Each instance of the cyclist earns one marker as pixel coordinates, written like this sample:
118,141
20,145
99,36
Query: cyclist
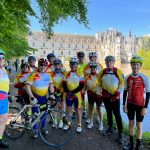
136,85
57,77
81,67
50,57
73,83
20,82
93,92
32,61
92,58
87,71
111,81
4,88
37,88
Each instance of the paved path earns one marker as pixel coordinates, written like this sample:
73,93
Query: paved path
87,140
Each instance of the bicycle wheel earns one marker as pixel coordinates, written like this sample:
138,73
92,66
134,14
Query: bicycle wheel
55,121
14,128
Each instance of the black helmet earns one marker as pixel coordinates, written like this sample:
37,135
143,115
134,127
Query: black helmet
30,58
50,55
24,64
80,54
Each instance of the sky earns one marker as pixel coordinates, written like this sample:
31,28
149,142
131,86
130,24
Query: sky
123,15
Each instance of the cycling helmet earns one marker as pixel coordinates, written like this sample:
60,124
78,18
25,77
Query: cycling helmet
80,54
92,64
2,52
56,60
50,55
92,54
74,60
110,58
24,64
31,58
43,61
136,59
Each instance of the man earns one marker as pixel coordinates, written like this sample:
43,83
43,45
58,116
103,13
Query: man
81,67
50,57
37,88
4,88
32,61
73,83
136,86
111,81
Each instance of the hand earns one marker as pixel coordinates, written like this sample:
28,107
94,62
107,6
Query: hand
125,109
51,97
9,99
144,111
33,101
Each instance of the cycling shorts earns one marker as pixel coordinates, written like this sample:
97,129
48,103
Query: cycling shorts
134,109
75,101
4,106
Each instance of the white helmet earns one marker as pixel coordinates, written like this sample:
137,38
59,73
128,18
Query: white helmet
74,59
92,54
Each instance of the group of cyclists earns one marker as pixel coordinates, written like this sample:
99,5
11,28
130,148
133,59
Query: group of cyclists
101,85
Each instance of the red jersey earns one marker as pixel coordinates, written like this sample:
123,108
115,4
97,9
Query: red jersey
137,85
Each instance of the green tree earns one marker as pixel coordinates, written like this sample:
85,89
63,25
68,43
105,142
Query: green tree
15,24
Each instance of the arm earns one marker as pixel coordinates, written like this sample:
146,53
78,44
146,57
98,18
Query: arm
79,88
121,79
29,92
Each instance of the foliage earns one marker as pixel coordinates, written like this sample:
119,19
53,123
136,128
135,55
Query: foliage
145,41
145,54
15,24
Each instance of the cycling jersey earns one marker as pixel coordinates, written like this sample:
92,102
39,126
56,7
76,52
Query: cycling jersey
4,84
81,68
39,83
87,69
136,85
73,81
19,82
111,81
91,83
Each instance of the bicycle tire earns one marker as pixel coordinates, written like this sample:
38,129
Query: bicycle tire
60,136
12,131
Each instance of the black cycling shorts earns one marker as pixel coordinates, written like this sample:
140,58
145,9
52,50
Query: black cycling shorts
134,109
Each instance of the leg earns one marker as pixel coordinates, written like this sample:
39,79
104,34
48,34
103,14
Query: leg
116,111
108,107
3,119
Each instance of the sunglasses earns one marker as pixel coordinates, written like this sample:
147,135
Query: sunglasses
2,57
43,65
73,63
56,63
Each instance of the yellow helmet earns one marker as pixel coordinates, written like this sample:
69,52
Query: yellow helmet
136,59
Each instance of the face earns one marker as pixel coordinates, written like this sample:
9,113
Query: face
109,64
25,69
32,63
136,67
51,60
57,65
92,58
80,58
2,60
73,66
42,68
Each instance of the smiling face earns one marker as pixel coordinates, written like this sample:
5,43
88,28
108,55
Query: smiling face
42,68
73,66
25,69
92,58
2,60
32,63
109,64
136,67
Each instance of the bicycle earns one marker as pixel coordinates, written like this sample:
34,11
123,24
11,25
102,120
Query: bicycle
18,124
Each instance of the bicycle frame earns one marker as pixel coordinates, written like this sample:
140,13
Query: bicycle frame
21,111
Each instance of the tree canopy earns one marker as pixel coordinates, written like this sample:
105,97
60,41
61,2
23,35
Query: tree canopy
15,23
